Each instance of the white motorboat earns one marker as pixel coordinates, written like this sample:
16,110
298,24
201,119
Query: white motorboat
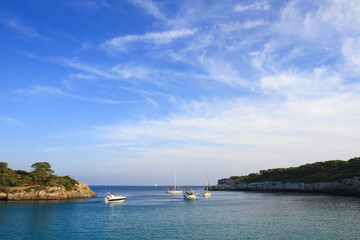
173,190
189,194
113,198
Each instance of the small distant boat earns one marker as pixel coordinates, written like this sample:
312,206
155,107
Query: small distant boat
113,198
155,184
206,193
173,190
189,194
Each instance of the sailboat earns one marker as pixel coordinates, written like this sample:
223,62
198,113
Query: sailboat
206,193
173,190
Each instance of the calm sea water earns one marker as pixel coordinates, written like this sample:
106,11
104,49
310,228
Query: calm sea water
148,213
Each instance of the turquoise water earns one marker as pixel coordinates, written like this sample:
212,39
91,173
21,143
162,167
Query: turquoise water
148,213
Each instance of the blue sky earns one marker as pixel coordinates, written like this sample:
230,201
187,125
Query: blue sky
128,92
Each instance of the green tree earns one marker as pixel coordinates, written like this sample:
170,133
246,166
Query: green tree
4,171
7,175
41,171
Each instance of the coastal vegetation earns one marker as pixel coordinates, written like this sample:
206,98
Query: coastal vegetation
328,171
39,178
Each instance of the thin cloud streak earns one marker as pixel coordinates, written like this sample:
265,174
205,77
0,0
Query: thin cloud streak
55,91
41,90
152,37
15,24
9,120
150,7
256,6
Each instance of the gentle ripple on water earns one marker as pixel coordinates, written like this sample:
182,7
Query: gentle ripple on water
148,213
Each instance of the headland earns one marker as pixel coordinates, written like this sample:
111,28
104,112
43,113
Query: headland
39,184
330,177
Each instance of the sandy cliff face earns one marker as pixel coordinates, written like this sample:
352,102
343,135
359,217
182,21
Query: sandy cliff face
346,186
49,193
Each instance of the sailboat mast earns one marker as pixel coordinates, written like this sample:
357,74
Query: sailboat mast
207,181
175,182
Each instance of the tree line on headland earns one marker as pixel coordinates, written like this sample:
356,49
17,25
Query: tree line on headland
41,176
328,171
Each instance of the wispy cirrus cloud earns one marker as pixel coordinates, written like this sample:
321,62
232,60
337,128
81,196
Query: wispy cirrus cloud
82,76
56,91
303,84
152,37
351,54
20,27
83,67
222,71
150,7
326,22
129,71
89,4
41,90
234,26
255,6
116,72
9,120
103,100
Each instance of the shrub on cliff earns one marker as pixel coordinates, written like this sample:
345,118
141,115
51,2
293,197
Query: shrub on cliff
328,171
66,181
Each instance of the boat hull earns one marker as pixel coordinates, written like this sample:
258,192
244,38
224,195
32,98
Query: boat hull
173,192
115,201
189,197
206,194
113,198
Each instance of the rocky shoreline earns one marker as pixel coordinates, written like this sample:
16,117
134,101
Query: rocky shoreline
349,186
49,193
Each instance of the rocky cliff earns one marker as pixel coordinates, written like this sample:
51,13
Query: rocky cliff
49,193
349,186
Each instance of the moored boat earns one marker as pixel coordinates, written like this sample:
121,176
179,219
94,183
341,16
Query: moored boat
189,194
206,193
173,190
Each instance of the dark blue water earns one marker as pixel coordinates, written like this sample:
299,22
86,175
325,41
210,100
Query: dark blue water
149,213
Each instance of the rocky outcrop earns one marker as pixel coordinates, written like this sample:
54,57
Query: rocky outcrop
344,187
49,193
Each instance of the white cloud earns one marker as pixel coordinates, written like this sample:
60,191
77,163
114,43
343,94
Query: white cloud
327,21
55,91
235,26
9,120
222,71
102,100
255,6
129,71
153,37
82,76
237,131
41,90
295,83
20,27
85,67
150,7
351,54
